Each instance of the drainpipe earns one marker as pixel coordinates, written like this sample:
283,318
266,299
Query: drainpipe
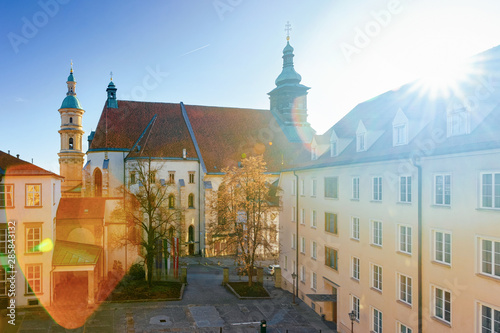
126,223
417,164
199,207
296,234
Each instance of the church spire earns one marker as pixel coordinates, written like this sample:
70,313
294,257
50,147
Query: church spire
111,102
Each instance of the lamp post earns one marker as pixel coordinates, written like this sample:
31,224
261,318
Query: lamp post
294,276
352,316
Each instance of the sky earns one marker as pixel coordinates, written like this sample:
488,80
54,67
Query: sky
219,53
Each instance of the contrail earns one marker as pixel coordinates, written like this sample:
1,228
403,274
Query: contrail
195,50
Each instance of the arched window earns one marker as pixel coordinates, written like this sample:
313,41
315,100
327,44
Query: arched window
70,143
191,240
97,183
71,120
191,200
171,201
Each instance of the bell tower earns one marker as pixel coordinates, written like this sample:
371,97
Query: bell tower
71,155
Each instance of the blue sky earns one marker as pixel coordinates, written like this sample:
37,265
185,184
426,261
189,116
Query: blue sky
219,52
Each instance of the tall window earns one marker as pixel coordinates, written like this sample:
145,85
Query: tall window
331,258
405,288
333,148
314,219
294,212
355,268
490,257
442,189
405,189
377,277
490,320
377,321
152,177
314,185
355,188
302,216
171,201
442,247
70,143
442,304
355,228
4,234
331,223
191,177
355,306
3,281
458,122
6,195
302,245
191,200
377,233
331,187
490,190
360,141
302,186
33,238
314,250
377,188
171,177
314,282
404,238
294,241
302,273
133,180
294,184
33,278
33,195
400,134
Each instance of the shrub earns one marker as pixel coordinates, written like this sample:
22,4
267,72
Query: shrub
137,272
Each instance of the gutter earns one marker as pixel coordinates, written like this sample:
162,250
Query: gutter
296,287
417,164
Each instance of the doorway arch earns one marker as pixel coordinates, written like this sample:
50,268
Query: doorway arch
97,183
191,240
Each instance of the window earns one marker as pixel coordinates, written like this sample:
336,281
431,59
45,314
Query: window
442,247
171,177
331,187
404,238
294,184
360,141
331,223
70,143
6,195
191,200
152,177
355,268
314,250
33,278
377,233
302,216
171,201
490,320
377,277
458,122
302,186
442,188
314,154
355,306
377,321
333,148
4,235
314,219
314,282
405,189
377,189
294,211
331,258
302,245
133,180
400,135
355,188
404,329
33,238
302,273
355,228
490,190
490,257
191,177
442,304
33,195
405,288
314,184
3,281
286,263
294,241
71,120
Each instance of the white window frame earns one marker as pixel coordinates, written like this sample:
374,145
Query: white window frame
294,241
377,188
377,276
355,227
493,189
493,253
404,240
4,237
302,187
405,188
32,243
335,190
361,142
402,328
355,268
480,314
442,248
333,148
314,219
435,303
7,195
400,134
303,216
377,232
303,273
461,117
377,320
314,250
355,188
314,187
404,288
444,195
314,281
294,184
303,245
33,196
294,212
355,306
32,277
286,263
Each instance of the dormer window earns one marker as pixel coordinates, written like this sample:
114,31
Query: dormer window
400,135
360,142
458,122
314,154
333,148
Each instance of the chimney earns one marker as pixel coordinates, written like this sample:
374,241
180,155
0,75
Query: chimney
17,155
184,153
8,152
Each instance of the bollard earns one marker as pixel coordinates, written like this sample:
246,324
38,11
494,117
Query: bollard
184,274
225,275
260,275
263,326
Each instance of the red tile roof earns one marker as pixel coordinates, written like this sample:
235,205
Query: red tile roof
13,166
81,208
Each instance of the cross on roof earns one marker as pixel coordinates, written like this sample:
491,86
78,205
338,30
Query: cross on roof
111,75
288,28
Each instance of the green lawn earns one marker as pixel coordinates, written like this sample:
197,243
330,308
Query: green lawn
138,290
242,288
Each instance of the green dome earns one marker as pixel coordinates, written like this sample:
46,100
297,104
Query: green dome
71,78
71,102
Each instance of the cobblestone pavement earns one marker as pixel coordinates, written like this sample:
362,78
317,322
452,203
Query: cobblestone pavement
206,307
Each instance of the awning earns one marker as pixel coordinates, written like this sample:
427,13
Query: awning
71,254
322,297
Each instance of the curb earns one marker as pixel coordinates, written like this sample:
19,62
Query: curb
243,297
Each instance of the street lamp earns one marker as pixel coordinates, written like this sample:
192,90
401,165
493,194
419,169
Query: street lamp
294,276
352,316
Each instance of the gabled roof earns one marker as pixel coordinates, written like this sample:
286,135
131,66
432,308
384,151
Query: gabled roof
13,166
81,208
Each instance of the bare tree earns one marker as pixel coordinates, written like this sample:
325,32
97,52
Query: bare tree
242,212
151,213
